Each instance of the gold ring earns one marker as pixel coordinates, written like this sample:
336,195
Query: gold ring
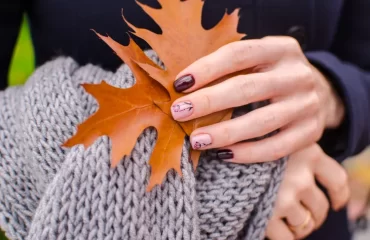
303,225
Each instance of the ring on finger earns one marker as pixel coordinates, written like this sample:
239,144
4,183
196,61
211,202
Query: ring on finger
303,225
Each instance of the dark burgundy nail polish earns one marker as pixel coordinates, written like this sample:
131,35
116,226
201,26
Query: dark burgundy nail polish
225,154
183,83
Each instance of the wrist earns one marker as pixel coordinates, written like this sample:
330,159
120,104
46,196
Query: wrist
334,110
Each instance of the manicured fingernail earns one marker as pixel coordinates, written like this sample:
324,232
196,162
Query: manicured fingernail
225,154
182,110
200,141
183,83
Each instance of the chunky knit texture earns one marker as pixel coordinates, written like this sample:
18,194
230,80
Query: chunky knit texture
49,192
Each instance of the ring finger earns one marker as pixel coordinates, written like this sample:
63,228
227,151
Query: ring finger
282,144
264,120
300,221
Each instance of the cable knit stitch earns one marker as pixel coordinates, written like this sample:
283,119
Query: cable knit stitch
52,193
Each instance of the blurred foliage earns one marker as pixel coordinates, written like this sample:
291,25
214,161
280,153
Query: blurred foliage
22,64
2,236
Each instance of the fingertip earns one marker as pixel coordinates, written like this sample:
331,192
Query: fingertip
182,110
201,141
184,82
226,155
339,205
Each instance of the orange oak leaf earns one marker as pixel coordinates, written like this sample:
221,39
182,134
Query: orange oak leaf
182,42
124,113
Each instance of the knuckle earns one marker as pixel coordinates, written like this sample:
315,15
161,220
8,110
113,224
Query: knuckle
206,102
306,76
237,52
315,156
315,102
303,183
291,44
280,79
316,131
228,137
247,88
268,38
304,187
342,180
206,65
286,205
278,151
269,120
284,201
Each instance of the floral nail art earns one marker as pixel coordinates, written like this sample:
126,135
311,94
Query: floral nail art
201,141
182,109
198,145
182,106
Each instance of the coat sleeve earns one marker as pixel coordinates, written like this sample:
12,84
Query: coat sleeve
347,64
11,12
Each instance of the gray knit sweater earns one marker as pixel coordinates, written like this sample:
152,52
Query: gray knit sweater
49,192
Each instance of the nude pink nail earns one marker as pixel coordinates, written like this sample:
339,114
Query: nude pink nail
182,110
200,141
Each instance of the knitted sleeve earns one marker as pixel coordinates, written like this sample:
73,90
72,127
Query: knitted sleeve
49,192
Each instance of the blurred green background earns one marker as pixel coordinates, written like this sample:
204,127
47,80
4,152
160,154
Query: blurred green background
22,64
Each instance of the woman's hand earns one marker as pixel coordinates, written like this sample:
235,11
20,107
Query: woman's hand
302,101
301,207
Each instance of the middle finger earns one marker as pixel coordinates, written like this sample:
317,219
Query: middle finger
234,92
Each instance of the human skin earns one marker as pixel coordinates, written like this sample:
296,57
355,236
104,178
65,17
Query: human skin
299,192
303,103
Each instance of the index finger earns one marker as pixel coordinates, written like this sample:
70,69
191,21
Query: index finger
234,57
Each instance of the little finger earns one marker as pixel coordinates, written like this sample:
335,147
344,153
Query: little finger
284,143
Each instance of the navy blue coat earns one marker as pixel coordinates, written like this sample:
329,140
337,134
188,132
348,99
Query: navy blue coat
335,35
